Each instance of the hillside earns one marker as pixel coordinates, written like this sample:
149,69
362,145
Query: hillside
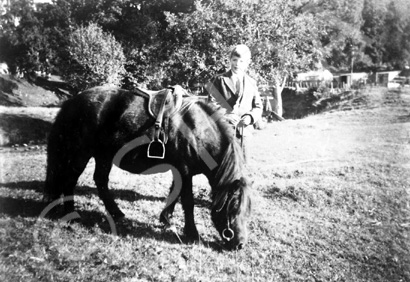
28,108
32,92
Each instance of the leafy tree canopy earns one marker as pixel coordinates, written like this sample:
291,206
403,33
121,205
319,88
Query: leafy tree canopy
174,41
96,58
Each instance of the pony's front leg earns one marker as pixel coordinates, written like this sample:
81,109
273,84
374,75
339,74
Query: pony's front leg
101,177
187,201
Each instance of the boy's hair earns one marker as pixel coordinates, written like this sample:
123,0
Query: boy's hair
241,51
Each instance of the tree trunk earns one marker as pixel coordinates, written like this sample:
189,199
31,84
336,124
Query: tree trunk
277,99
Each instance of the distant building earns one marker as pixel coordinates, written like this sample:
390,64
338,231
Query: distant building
313,78
346,80
317,75
384,77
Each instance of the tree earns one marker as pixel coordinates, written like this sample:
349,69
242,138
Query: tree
56,23
34,39
287,42
374,16
21,39
397,34
282,42
95,58
342,40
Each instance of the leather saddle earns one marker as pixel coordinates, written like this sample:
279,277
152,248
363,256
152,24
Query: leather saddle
169,99
161,105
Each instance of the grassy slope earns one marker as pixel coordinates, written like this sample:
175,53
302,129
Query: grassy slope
23,118
331,204
35,92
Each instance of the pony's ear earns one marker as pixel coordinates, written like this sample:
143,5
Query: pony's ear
242,182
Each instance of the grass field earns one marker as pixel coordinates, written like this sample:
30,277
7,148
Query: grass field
331,203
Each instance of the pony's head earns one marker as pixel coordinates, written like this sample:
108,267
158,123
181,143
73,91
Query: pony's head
231,209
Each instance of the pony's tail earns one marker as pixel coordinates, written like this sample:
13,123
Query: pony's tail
52,189
68,150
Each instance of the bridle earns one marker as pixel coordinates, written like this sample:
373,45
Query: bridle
228,234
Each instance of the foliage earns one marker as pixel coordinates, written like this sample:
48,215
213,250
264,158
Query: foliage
194,42
397,34
286,42
281,41
95,58
21,37
171,41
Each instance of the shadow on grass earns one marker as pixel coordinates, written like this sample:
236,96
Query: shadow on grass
30,208
91,219
20,207
25,185
125,195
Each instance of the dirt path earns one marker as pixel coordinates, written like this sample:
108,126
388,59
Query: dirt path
336,136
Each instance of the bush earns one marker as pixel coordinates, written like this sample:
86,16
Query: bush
95,58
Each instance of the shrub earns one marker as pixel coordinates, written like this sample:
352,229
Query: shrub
95,58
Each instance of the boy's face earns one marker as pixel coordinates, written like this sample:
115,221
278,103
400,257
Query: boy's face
239,64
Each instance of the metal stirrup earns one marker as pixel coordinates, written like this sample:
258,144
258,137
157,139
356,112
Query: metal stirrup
161,155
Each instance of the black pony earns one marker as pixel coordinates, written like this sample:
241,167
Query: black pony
116,126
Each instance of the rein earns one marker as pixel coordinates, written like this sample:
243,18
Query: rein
240,126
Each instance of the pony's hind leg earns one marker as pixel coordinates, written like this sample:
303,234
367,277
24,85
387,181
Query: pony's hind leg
166,214
101,177
72,174
63,171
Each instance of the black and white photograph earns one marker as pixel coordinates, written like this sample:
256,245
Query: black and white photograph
205,140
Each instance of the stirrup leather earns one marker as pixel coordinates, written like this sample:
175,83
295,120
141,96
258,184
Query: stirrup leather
156,148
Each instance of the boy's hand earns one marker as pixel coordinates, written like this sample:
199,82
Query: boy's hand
233,118
246,120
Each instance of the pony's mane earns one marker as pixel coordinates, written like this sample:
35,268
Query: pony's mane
232,165
229,183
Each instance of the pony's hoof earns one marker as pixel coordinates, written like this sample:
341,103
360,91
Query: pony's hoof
193,241
168,227
165,219
192,237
